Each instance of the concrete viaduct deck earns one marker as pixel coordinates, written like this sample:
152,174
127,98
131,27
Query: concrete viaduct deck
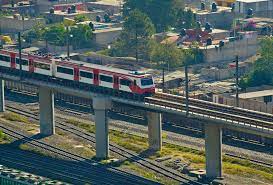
101,105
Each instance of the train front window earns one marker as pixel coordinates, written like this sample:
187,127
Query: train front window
147,81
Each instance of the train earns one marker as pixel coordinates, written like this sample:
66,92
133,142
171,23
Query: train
85,75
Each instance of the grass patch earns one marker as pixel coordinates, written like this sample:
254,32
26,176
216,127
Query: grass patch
4,138
10,116
147,174
130,142
88,127
196,158
37,151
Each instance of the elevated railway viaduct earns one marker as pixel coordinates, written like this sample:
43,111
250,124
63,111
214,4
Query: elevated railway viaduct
215,117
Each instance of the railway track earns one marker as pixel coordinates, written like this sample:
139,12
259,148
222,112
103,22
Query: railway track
81,171
205,112
217,107
157,168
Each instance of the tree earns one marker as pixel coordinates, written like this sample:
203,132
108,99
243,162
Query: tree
262,73
186,19
56,34
167,55
82,36
163,13
136,35
80,18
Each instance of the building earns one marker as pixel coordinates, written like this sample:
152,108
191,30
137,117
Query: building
245,46
226,3
257,100
59,16
104,33
261,8
16,23
215,18
22,7
217,45
263,26
111,8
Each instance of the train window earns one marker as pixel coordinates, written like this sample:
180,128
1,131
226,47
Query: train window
106,78
42,66
24,62
4,58
147,81
125,82
86,74
65,70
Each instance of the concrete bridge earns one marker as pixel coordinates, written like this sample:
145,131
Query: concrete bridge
102,103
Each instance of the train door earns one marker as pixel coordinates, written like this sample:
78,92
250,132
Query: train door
96,76
76,73
31,65
116,82
12,60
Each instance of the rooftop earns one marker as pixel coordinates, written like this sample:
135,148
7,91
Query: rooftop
251,1
256,94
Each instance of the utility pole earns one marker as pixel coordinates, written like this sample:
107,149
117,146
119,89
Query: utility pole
67,42
237,80
136,46
163,79
187,88
20,53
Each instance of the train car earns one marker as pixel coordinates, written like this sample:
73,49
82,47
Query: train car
35,64
105,77
97,77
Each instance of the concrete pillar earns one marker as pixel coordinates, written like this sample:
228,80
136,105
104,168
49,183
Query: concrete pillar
154,130
213,147
47,118
101,105
2,95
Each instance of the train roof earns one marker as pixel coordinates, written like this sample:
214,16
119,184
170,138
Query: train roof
81,64
137,74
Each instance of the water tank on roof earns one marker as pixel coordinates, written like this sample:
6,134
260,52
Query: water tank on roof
214,7
221,43
209,41
203,6
183,32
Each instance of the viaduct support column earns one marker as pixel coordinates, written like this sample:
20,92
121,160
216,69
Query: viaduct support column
213,147
154,130
47,118
2,95
101,105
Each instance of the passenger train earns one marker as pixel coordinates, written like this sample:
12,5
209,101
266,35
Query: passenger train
96,77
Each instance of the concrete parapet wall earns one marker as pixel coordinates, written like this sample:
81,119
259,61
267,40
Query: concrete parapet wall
13,25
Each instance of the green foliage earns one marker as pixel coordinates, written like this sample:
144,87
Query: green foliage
186,19
135,37
3,136
80,18
193,55
262,72
15,117
82,36
168,55
57,35
163,13
35,33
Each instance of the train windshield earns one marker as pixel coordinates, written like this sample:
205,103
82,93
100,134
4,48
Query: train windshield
147,81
